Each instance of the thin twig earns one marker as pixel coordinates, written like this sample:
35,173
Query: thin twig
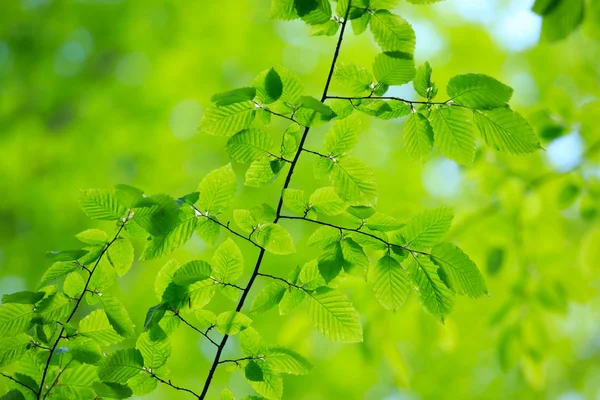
237,361
226,226
447,102
277,278
19,382
205,334
168,383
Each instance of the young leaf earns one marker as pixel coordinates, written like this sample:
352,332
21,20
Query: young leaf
53,308
227,394
356,78
97,327
120,255
56,271
228,262
12,348
355,259
286,361
262,171
453,130
217,190
251,343
427,228
422,82
394,68
479,92
208,230
390,283
275,239
392,33
331,261
418,137
76,383
162,245
94,237
505,130
227,120
232,322
155,347
201,293
268,298
249,145
233,96
432,292
326,201
295,200
354,181
290,141
316,105
264,380
192,272
121,365
334,316
458,271
101,204
342,137
25,297
383,223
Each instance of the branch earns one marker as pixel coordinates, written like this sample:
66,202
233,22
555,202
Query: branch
168,383
278,115
205,334
85,289
288,178
277,278
410,102
19,382
237,361
226,226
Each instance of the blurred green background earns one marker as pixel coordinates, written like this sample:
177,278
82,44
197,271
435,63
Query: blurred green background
99,92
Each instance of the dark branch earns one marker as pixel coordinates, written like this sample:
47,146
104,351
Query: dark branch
277,278
19,382
205,334
226,226
410,102
168,383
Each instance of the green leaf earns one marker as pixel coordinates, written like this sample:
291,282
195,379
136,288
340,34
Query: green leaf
355,78
273,86
274,238
165,277
562,20
329,28
262,171
76,383
249,145
290,141
142,384
324,236
295,200
479,92
268,298
354,181
432,292
13,395
264,380
505,130
292,298
394,68
208,230
245,220
54,308
97,327
390,283
360,24
65,255
12,348
383,223
94,237
201,293
331,261
286,361
117,316
422,82
326,201
313,11
342,137
232,322
334,316
128,195
314,104
227,394
228,262
233,96
155,347
192,272
25,297
111,390
544,7
163,245
217,190
101,204
120,255
176,296
121,365
154,315
418,137
283,9
57,271
84,350
355,259
453,131
458,271
251,343
392,33
428,228
227,120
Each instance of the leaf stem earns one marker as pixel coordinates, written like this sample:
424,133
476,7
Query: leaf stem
19,382
168,383
205,334
226,226
277,278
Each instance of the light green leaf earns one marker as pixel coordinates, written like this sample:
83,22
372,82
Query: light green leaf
95,237
458,271
233,96
245,220
286,361
313,11
97,327
290,141
334,316
121,365
142,384
155,347
76,383
227,120
264,380
327,202
274,238
178,235
249,145
422,82
390,283
228,262
432,292
418,137
111,390
24,297
232,322
355,259
208,230
394,68
12,348
359,25
295,200
324,236
57,271
117,315
120,255
315,105
354,181
165,277
262,171
53,308
268,298
227,394
428,228
342,137
192,272
385,110
353,77
217,190
453,131
74,284
392,33
101,204
505,130
283,9
329,28
382,222
331,261
85,350
201,293
479,92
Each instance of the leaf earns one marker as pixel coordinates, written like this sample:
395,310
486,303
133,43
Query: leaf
163,245
283,9
275,239
76,383
355,259
390,283
394,68
94,237
227,120
392,33
251,343
12,348
154,315
249,145
273,86
217,190
479,92
111,390
313,11
25,297
65,255
331,262
208,230
117,316
562,20
201,293
97,327
56,271
232,322
355,78
383,223
264,380
422,82
228,262
165,277
121,365
84,350
458,271
453,131
315,105
227,394
334,316
505,130
245,220
120,255
354,181
53,308
262,171
324,236
142,384
295,200
268,298
329,28
342,137
155,347
326,201
286,361
101,204
432,292
192,272
418,137
233,96
290,141
427,228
